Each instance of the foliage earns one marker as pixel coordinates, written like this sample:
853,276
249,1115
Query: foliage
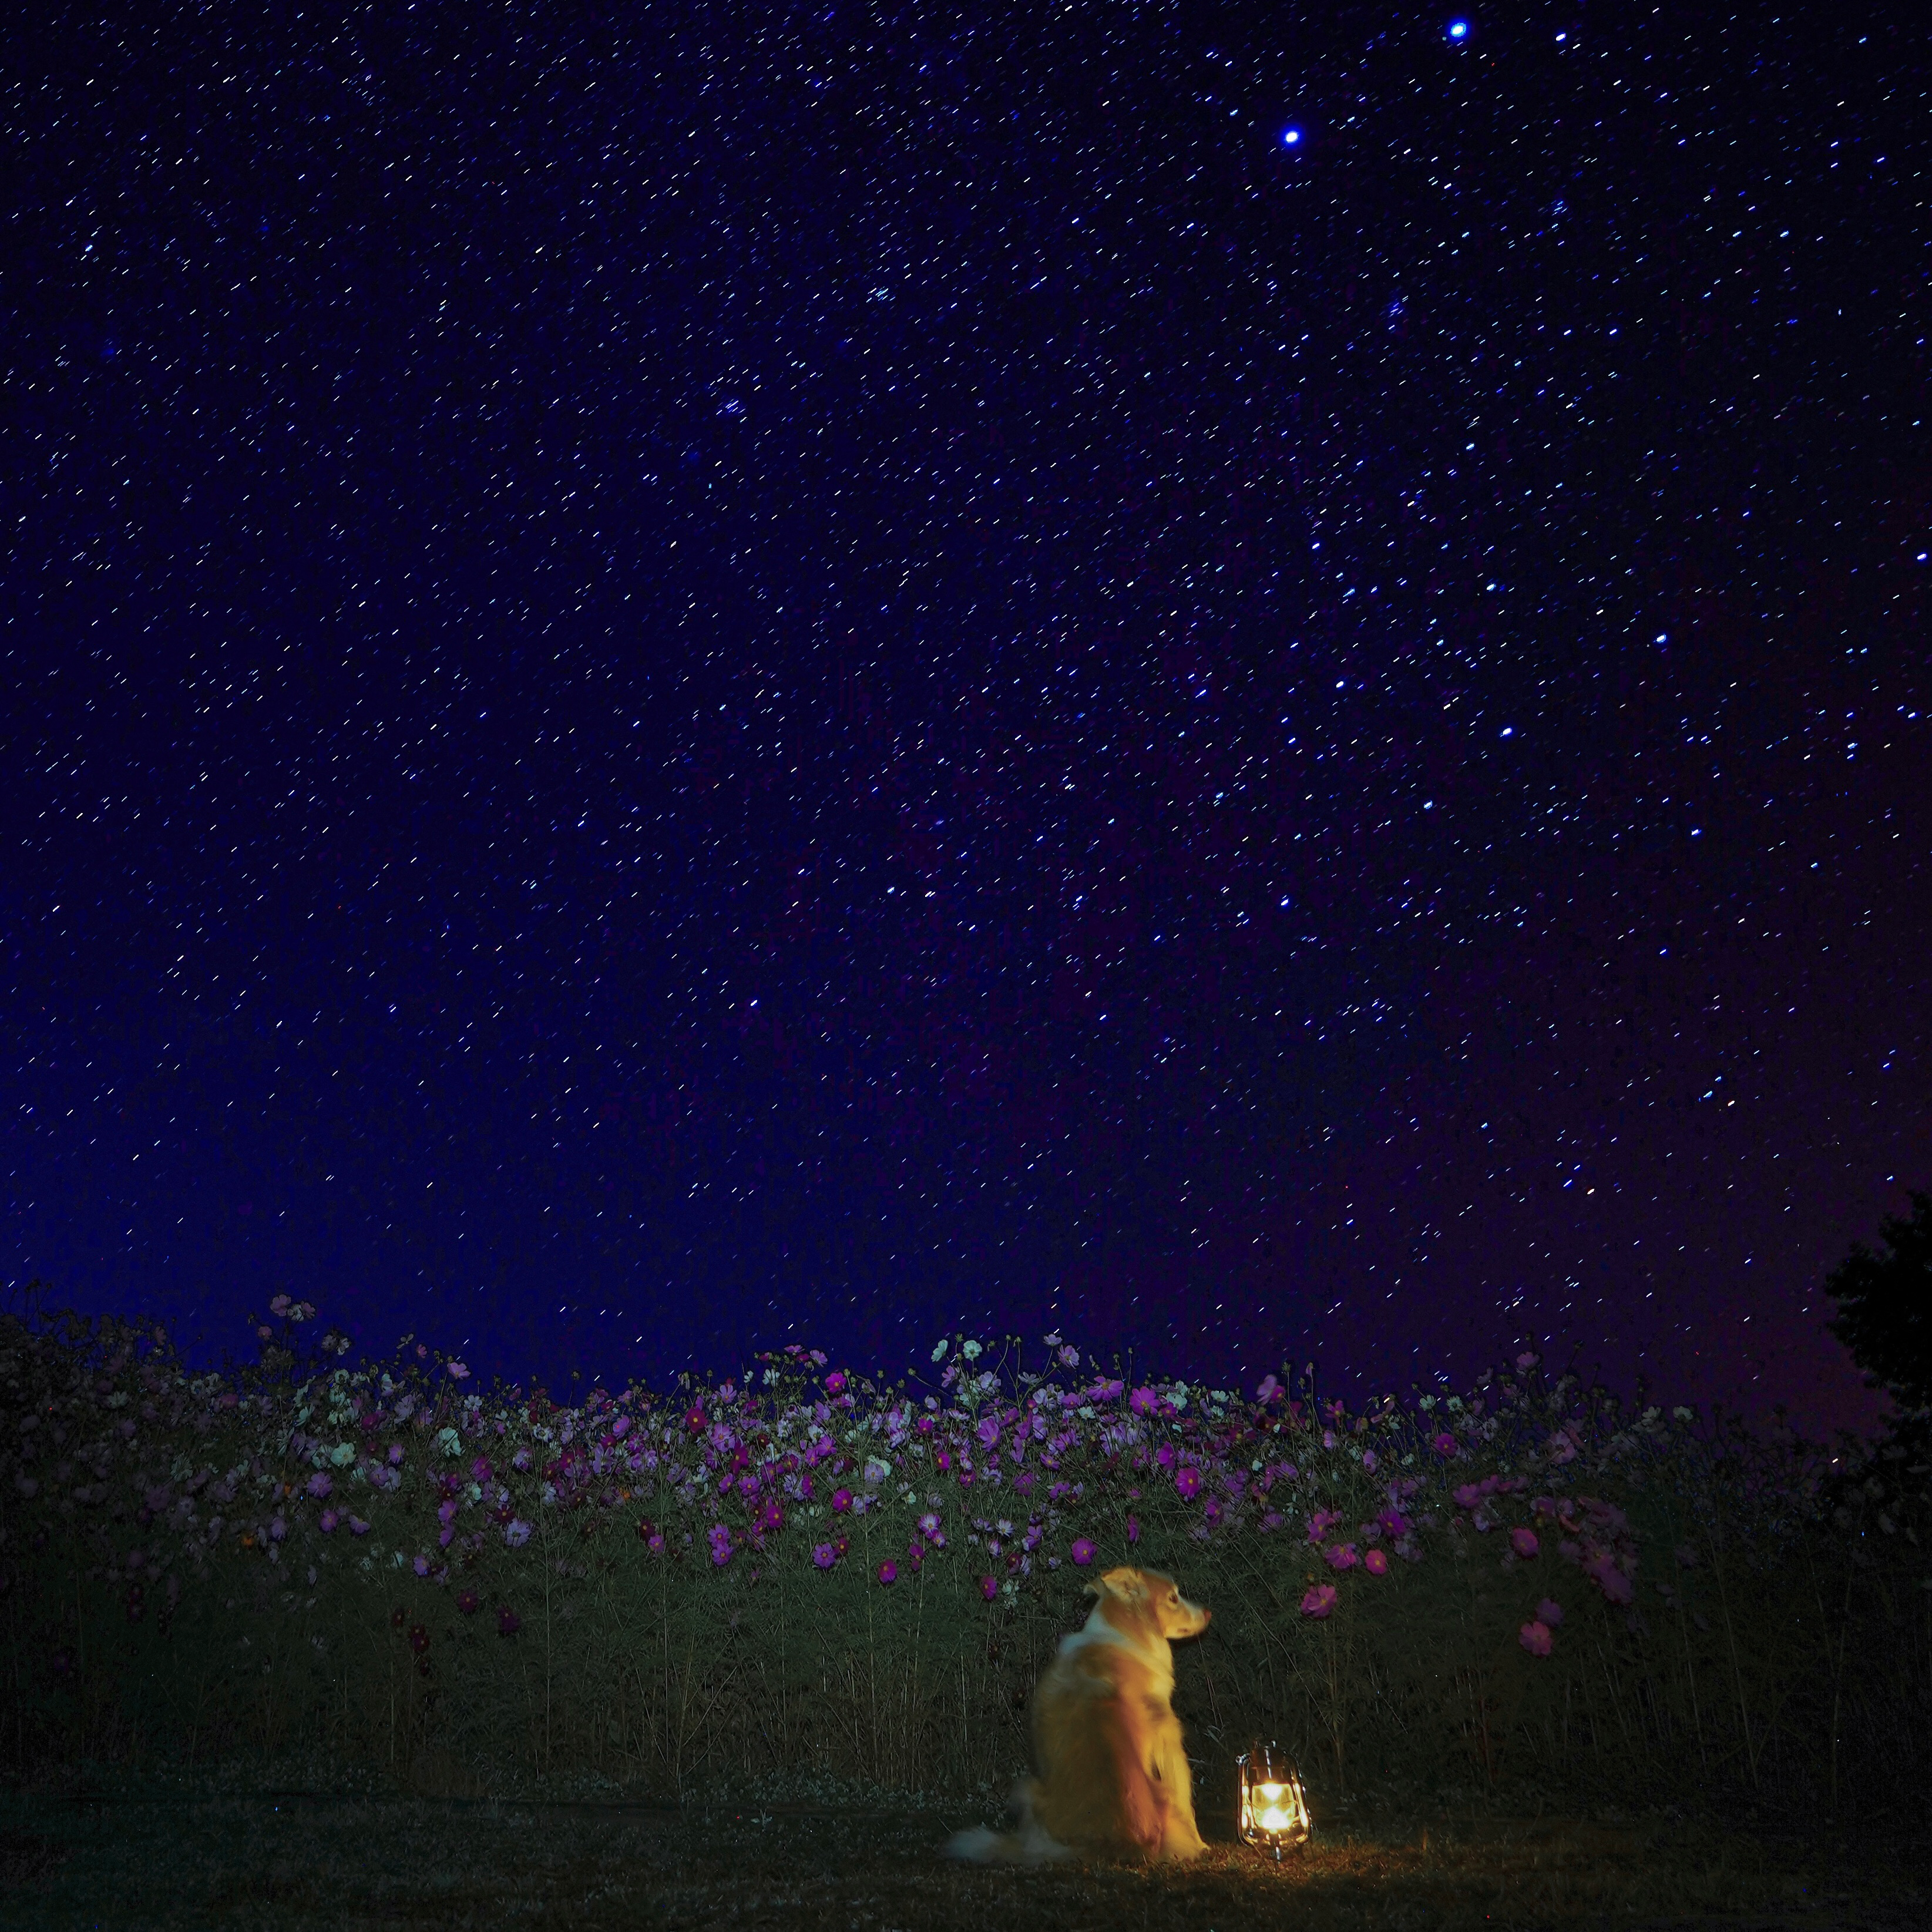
1884,1307
802,1571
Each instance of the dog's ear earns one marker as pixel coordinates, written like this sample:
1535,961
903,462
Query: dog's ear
1125,1582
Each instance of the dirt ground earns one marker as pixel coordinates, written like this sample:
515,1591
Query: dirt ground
291,1862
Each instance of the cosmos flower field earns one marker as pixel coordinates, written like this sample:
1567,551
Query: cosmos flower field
803,1571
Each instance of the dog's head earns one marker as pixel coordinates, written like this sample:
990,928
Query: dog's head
1144,1603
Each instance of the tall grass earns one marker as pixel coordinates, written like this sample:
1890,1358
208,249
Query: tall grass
390,1572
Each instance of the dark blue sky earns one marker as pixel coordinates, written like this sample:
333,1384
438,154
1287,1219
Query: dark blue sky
683,677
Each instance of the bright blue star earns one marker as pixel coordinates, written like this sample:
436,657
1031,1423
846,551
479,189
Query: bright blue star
1290,137
1459,30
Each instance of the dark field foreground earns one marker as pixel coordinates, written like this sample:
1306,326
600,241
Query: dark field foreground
294,1862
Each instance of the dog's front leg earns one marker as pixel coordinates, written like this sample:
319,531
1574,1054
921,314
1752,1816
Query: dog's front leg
1181,1836
1143,1809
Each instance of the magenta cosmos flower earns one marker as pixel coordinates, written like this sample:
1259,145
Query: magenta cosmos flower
825,1555
1524,1542
1602,1571
1319,1601
1082,1552
888,1571
1375,1563
1549,1611
1535,1638
1187,1481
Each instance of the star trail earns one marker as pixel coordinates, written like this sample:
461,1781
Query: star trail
1248,681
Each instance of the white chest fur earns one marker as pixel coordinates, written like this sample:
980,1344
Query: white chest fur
1155,1652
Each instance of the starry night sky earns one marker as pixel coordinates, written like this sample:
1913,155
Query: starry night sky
679,678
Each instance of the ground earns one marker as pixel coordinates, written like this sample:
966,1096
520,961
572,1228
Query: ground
131,1862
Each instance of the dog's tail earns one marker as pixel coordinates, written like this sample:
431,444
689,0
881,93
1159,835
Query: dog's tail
1028,1843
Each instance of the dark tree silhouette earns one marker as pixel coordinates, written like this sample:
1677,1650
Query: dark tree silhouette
1884,1307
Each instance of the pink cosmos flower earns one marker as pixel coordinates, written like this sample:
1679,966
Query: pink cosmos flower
1133,1528
1319,1601
1082,1552
1321,1523
824,1555
1526,1361
357,1527
835,1383
469,1602
1269,1390
1069,1356
458,1371
1368,1461
508,1622
327,1521
278,1528
1617,1588
320,1483
719,1537
1375,1563
841,1501
1445,1444
889,1572
1341,1556
395,1455
988,1430
1141,1401
1524,1542
1549,1611
1468,1496
1187,1481
989,1588
1535,1638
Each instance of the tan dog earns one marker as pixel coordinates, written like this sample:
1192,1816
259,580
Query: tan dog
1113,1776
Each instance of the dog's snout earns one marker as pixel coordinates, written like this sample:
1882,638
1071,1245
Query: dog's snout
1206,1618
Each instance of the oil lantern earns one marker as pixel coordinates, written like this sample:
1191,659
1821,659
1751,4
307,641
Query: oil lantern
1273,1807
